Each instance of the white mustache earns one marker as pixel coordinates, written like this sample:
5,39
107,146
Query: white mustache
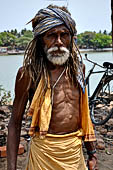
62,49
58,58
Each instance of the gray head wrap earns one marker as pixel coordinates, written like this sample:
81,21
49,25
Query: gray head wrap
48,18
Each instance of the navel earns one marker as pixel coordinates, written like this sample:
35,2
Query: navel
70,116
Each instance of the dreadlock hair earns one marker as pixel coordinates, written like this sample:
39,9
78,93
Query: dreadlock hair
73,63
35,60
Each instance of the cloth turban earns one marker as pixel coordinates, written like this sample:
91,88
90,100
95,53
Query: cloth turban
48,18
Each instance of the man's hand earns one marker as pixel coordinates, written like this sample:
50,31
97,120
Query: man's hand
92,162
92,158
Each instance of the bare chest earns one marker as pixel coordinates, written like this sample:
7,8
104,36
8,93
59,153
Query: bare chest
65,109
64,92
62,89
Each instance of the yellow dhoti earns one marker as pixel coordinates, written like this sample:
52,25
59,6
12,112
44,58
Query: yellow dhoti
56,152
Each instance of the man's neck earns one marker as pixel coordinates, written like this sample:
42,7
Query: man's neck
51,66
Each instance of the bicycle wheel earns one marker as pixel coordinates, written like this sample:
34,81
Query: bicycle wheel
101,108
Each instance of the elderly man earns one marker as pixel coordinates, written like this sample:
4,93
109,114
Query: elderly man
52,77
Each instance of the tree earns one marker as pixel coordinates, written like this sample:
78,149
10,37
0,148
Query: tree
110,33
13,39
5,96
101,41
94,40
22,42
7,38
100,32
1,43
105,32
23,31
84,39
28,33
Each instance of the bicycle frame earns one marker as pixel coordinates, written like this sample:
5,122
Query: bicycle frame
99,101
91,98
105,75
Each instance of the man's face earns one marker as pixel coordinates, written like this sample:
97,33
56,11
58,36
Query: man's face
57,44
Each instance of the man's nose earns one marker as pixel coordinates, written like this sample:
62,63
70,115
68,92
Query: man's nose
58,41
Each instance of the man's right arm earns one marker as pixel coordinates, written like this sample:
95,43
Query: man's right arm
14,127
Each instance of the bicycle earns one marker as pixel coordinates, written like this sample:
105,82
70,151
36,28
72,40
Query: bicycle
101,101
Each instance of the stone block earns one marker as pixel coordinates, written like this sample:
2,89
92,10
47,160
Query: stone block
3,152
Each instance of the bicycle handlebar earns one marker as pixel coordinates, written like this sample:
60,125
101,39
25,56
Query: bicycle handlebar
93,62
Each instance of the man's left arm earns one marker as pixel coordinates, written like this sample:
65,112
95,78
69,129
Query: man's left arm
92,157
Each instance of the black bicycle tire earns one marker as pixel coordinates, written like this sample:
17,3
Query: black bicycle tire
102,122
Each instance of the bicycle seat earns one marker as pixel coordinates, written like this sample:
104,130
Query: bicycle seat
108,65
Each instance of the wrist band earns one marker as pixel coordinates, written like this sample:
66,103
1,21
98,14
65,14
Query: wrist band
91,152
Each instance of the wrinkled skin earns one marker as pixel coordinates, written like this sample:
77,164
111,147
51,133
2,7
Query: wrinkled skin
65,112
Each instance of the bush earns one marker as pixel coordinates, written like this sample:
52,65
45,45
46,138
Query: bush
5,96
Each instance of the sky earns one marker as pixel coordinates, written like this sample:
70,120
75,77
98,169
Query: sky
89,15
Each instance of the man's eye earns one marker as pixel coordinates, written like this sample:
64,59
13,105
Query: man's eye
64,34
51,35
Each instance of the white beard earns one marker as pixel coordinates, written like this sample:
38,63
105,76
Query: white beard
59,58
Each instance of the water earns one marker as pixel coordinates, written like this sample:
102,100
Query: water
9,66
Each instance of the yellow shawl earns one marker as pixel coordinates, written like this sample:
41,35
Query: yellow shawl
41,113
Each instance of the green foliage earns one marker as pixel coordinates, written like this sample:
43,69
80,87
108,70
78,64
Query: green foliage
23,31
12,39
94,40
22,42
5,96
105,32
1,43
7,39
14,32
28,33
101,41
84,39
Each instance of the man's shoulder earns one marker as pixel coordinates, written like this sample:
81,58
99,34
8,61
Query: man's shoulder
23,77
23,81
23,73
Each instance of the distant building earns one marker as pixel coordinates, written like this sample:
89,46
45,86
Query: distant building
3,49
